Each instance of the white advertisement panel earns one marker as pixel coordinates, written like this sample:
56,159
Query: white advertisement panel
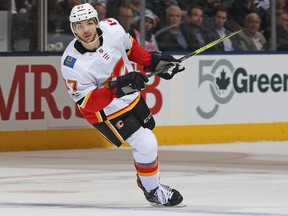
33,95
227,89
214,89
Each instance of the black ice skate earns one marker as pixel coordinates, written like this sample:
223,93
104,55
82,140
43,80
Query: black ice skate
163,195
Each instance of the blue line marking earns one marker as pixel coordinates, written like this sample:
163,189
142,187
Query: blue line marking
148,208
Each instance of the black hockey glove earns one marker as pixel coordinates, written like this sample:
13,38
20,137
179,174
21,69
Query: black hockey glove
171,71
165,62
129,83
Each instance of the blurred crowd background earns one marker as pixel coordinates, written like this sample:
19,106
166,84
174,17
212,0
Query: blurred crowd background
169,25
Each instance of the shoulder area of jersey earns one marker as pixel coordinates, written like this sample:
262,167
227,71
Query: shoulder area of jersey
70,46
109,23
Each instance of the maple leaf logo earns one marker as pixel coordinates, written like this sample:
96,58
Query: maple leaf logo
222,81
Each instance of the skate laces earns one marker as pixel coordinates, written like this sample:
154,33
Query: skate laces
164,193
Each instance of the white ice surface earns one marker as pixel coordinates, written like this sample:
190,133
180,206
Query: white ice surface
245,179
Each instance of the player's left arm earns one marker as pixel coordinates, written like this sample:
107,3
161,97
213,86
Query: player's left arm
137,54
154,61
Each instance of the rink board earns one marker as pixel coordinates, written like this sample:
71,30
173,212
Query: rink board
218,98
166,135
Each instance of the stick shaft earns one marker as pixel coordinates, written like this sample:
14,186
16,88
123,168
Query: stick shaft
196,52
207,46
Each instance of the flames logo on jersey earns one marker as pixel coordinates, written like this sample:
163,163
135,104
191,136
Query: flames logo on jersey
118,70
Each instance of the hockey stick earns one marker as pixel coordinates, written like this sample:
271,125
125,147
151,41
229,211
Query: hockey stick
196,52
129,89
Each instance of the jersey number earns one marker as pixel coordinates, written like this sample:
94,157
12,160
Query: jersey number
71,84
110,21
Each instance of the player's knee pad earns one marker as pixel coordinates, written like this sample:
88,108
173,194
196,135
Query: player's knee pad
144,145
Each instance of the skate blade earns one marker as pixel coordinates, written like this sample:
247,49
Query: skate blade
180,205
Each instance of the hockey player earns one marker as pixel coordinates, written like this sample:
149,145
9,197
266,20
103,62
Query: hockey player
100,55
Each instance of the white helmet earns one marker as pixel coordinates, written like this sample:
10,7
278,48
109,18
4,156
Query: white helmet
83,12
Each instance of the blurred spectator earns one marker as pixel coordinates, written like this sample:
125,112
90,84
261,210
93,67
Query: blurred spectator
209,6
52,15
150,24
171,36
282,30
125,17
113,7
281,5
218,30
159,8
101,8
243,7
251,38
21,24
135,6
263,10
262,5
63,11
59,39
196,34
18,6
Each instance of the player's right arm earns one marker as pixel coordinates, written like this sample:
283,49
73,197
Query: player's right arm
85,93
96,100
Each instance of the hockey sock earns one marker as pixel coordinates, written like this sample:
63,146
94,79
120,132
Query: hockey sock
148,174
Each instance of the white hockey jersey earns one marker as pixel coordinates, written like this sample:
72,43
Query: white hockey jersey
86,74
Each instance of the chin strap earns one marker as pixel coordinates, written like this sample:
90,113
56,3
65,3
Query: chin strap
90,42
